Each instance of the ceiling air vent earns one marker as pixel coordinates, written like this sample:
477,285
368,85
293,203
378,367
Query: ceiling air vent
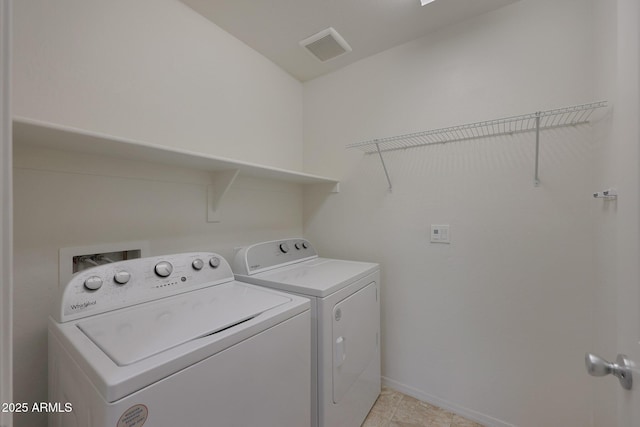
326,45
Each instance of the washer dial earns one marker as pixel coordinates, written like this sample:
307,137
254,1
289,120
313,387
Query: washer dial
93,283
197,264
164,268
122,277
214,262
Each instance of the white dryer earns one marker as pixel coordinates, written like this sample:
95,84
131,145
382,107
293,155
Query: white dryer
345,322
176,341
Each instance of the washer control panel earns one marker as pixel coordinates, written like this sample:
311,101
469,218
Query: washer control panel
267,255
126,283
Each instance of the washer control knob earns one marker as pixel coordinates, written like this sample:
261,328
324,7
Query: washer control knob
164,268
93,283
214,262
197,264
305,245
122,277
298,245
284,248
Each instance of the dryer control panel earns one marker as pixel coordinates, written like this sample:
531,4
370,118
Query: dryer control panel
126,283
267,255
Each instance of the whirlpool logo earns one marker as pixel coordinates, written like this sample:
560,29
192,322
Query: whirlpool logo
83,305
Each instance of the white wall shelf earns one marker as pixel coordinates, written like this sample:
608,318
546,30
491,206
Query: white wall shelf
33,133
532,122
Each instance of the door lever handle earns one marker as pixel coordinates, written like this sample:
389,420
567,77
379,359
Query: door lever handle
599,367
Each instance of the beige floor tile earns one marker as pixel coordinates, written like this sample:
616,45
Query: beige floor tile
458,421
383,409
388,400
376,419
401,424
414,411
394,409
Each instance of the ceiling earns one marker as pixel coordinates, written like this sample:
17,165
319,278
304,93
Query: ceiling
275,27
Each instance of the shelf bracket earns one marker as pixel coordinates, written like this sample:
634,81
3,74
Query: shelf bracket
386,173
221,182
536,178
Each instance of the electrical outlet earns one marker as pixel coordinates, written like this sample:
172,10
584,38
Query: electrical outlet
440,233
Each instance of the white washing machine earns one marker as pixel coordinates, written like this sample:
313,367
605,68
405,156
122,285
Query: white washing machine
176,341
345,323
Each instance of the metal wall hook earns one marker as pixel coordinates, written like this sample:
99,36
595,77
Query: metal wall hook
611,193
599,367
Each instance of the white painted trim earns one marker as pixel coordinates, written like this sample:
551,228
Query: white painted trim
6,213
470,414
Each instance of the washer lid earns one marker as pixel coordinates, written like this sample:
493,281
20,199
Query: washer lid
317,277
130,335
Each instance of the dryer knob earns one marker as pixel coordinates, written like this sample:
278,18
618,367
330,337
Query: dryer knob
164,268
93,283
284,248
197,264
305,245
122,277
214,262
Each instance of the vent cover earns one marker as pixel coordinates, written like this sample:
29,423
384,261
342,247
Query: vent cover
326,45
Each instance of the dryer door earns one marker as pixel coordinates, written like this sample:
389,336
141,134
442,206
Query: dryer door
356,324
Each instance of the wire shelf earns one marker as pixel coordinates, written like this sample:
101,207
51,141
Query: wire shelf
560,117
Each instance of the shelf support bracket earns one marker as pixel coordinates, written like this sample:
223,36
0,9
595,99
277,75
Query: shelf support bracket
386,173
221,182
536,178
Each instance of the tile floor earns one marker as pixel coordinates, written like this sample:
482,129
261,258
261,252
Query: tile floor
394,409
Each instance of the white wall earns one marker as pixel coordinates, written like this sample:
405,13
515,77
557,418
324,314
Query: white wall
494,325
152,70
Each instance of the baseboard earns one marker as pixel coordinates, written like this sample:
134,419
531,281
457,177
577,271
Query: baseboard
444,404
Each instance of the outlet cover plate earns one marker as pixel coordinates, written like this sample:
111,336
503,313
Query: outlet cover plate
440,233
